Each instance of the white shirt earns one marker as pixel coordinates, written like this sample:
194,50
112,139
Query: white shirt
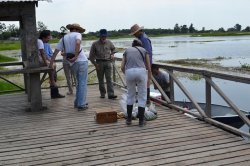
40,46
70,45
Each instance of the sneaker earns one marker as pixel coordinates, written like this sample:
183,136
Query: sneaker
69,93
129,121
82,108
112,97
86,105
102,96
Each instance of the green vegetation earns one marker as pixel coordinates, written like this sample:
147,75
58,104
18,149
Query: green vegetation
16,45
201,63
54,41
10,45
195,77
6,86
189,62
220,34
245,66
220,58
6,58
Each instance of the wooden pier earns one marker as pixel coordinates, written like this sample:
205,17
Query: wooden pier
63,136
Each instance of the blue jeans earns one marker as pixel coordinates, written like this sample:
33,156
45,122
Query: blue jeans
80,70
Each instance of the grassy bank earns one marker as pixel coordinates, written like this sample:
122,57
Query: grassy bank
6,86
212,63
15,45
10,45
6,58
220,34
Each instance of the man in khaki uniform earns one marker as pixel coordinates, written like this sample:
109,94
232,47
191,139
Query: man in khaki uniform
101,54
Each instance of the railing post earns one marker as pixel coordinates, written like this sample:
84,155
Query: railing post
171,80
208,98
114,75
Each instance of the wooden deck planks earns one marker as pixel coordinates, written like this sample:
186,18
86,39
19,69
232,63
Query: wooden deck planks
61,135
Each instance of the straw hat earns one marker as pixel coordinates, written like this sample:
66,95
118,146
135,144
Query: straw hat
75,26
135,28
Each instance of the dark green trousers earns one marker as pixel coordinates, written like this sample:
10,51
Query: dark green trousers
105,69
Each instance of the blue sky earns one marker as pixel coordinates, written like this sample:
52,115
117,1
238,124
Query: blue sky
122,14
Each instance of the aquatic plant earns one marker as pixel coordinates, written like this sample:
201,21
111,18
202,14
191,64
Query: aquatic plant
195,77
245,66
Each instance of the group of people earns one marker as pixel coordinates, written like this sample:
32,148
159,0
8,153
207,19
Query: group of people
136,65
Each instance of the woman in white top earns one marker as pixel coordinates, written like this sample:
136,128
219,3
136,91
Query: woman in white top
136,66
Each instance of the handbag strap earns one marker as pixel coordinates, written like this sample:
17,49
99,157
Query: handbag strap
141,54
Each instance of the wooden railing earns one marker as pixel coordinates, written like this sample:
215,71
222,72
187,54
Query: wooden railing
204,115
18,68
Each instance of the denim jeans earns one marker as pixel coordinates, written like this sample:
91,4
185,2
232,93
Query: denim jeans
80,70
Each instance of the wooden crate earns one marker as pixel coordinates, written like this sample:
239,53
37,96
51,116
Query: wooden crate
105,116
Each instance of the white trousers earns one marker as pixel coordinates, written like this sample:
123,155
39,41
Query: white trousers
136,77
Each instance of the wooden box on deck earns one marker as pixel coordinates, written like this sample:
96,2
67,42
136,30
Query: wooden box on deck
105,115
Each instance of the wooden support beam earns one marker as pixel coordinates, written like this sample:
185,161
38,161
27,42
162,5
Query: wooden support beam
184,90
26,71
229,102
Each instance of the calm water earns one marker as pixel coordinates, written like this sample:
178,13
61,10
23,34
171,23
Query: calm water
236,50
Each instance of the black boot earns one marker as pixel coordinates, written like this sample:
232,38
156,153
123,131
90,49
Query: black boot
129,112
54,93
141,111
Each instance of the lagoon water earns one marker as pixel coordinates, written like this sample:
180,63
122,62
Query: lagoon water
235,51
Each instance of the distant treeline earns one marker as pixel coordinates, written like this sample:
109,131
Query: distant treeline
12,32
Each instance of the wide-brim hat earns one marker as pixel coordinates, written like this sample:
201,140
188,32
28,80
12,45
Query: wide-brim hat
75,26
135,28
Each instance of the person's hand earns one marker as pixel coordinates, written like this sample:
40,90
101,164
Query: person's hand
72,60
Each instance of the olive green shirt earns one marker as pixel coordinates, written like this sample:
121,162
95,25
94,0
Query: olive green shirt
101,51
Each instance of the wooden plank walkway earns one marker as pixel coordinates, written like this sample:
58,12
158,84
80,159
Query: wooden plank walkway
63,136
